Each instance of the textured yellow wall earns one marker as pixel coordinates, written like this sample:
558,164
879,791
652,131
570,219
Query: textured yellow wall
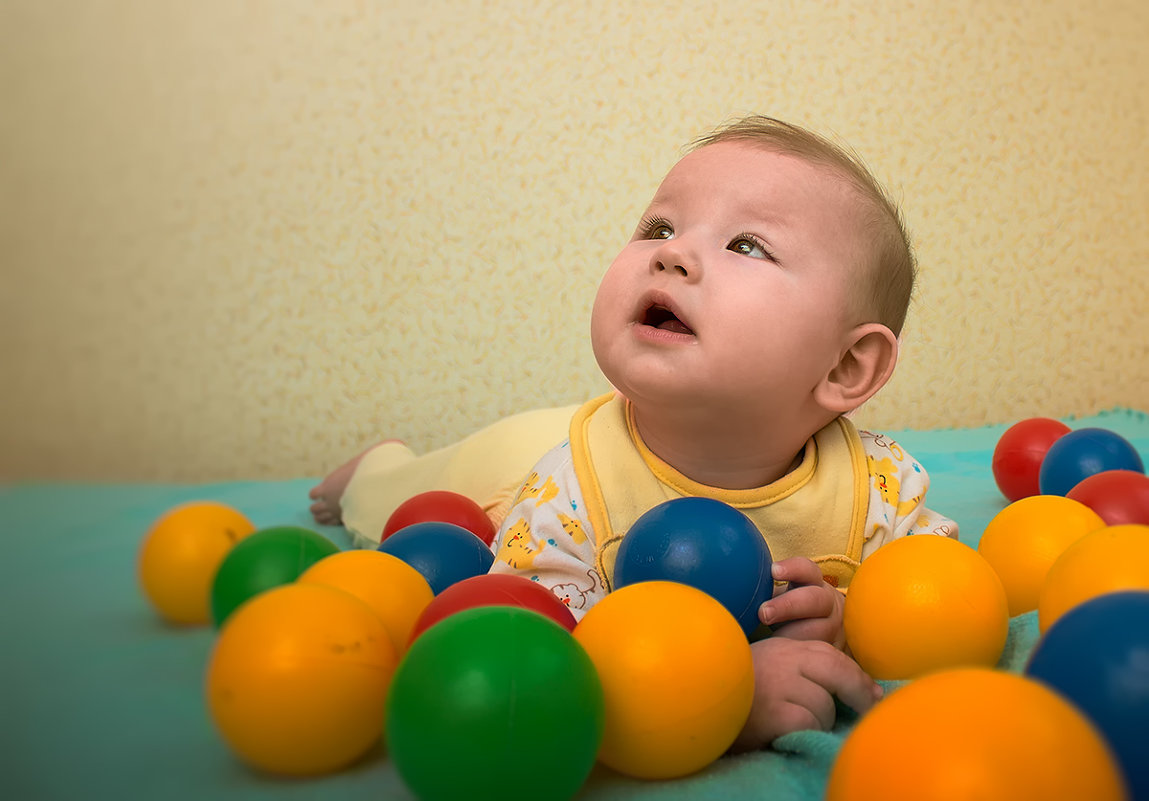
243,239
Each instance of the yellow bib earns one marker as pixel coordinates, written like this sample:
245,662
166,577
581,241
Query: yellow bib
817,510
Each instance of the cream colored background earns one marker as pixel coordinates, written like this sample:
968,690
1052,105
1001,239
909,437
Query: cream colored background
244,239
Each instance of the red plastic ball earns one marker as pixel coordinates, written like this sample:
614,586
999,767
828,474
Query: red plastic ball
441,506
1119,497
1019,453
494,589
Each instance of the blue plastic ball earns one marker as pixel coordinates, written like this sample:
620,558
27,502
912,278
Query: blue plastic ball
706,544
442,552
1080,454
1097,656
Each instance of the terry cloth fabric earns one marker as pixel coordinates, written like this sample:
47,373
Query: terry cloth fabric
99,699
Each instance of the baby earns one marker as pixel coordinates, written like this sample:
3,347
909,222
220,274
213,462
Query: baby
757,303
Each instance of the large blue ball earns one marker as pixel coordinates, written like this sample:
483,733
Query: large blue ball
1080,454
705,543
442,552
1097,656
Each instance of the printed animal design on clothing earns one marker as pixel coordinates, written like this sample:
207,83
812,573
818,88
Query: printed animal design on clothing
516,549
881,441
573,527
573,595
885,475
542,492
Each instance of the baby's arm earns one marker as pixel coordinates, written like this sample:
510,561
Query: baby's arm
546,538
795,682
897,502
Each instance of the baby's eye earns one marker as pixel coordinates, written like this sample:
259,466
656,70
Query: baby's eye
656,228
750,246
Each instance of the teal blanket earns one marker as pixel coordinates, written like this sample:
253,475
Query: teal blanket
98,699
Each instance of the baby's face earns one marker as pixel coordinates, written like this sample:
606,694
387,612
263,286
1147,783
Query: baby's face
735,286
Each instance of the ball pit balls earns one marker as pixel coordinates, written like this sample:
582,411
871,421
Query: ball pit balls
268,558
1095,656
441,506
1018,455
974,733
298,679
394,590
495,703
180,555
706,544
1025,538
443,553
925,603
677,676
1108,560
494,589
1118,496
1082,453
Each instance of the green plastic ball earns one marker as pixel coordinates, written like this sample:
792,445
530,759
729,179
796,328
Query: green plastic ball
265,559
497,703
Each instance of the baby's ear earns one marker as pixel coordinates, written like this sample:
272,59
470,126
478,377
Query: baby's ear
864,368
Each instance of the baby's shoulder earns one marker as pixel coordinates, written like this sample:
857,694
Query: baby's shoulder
885,457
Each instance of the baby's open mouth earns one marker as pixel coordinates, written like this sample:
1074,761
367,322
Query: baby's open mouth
663,318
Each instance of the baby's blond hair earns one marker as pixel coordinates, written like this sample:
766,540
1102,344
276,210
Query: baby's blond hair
893,269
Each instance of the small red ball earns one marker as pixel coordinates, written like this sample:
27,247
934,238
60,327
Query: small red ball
1019,453
494,589
1119,497
441,506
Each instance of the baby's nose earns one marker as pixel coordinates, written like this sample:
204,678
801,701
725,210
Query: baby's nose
676,258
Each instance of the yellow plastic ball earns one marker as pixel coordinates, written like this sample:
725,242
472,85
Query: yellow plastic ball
298,679
1108,560
1025,538
180,554
396,592
974,733
925,603
677,678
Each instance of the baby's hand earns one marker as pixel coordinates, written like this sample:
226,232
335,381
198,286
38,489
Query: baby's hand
806,608
795,682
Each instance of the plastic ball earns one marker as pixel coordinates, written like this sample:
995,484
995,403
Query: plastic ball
1095,656
1082,453
706,544
925,603
1025,538
495,703
677,676
180,555
1018,455
974,733
268,558
441,506
1118,496
494,589
443,553
298,679
394,590
1108,560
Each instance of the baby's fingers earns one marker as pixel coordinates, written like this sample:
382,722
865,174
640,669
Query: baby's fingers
796,570
841,676
799,603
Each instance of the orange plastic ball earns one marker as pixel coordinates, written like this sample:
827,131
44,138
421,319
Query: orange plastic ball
925,603
1108,560
180,554
394,590
974,733
1025,538
677,678
298,679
